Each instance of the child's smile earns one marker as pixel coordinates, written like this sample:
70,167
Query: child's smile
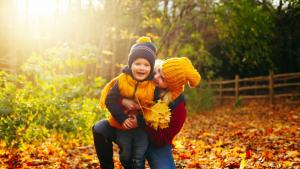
140,69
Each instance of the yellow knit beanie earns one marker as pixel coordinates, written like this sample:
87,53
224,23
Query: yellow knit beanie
178,72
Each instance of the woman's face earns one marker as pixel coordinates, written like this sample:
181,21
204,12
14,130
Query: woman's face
140,69
159,78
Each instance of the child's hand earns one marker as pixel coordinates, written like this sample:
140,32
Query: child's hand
130,123
130,104
133,119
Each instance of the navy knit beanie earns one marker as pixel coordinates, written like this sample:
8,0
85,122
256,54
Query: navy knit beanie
143,48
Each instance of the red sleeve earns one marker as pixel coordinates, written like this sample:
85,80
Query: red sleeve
165,136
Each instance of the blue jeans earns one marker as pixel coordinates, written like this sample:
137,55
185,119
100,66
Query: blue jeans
102,127
133,145
160,158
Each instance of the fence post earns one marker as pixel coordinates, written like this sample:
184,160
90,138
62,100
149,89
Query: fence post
271,86
237,82
220,91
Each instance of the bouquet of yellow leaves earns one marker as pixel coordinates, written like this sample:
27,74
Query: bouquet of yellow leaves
158,115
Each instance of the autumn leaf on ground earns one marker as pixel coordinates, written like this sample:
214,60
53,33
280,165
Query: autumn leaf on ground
222,138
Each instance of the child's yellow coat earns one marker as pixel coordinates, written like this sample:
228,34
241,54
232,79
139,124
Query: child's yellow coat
141,92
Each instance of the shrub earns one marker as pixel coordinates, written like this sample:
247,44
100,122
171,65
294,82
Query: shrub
38,102
200,98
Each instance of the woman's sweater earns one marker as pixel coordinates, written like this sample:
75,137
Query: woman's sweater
161,137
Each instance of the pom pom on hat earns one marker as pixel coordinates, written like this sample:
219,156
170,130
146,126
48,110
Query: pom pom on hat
178,72
143,43
143,39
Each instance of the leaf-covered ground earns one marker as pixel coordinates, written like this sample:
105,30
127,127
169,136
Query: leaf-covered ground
254,136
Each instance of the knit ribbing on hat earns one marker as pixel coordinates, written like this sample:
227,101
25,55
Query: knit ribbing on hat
143,48
178,72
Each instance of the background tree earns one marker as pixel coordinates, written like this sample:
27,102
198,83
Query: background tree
180,28
286,48
222,38
245,31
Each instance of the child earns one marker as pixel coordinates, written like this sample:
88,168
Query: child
134,83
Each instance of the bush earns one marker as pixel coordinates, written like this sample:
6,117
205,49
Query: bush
37,103
200,98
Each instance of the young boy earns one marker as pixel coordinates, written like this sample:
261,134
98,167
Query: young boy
134,83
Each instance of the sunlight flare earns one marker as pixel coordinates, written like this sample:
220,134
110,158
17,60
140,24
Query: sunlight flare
37,8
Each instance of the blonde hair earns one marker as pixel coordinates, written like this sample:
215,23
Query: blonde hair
158,63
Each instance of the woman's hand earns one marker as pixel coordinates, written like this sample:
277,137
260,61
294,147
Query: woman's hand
130,104
130,123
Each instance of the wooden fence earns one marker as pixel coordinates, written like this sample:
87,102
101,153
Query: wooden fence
269,87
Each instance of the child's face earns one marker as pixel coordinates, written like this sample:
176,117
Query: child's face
140,69
159,78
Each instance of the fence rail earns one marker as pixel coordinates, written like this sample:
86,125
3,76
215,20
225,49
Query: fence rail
268,87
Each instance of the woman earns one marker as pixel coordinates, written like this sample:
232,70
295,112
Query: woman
170,78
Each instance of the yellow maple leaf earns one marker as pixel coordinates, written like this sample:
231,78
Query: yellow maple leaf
159,115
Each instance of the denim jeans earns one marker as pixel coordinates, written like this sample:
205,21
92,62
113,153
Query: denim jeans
160,158
133,145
